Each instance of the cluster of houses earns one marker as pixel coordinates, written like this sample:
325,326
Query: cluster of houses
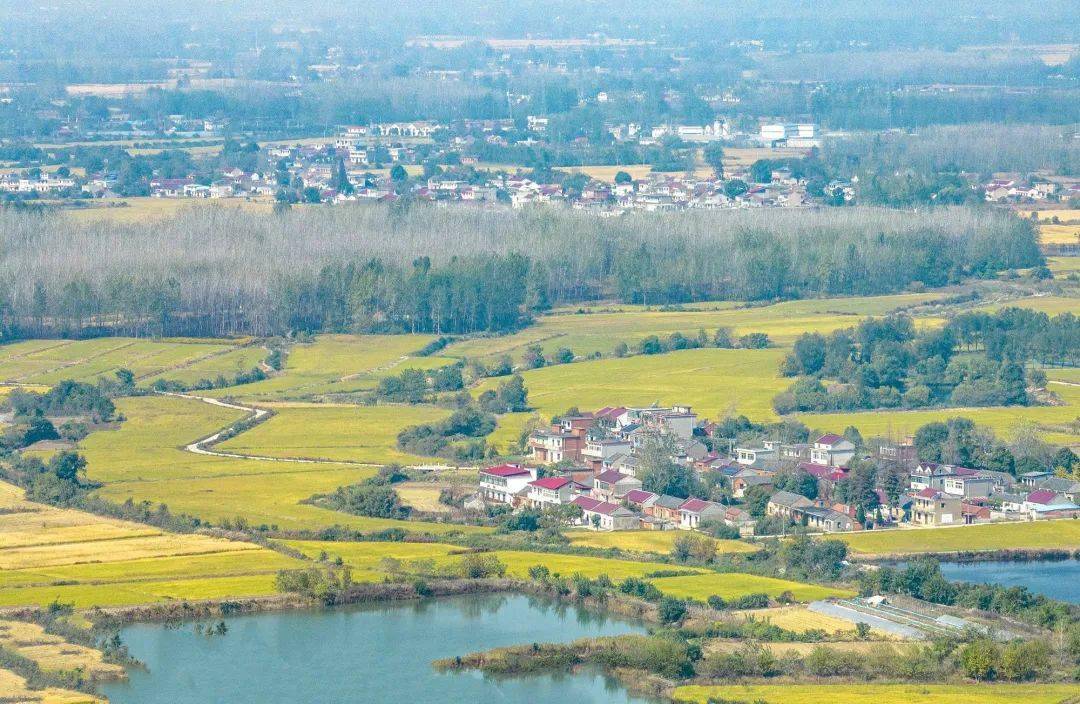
1020,190
592,461
45,184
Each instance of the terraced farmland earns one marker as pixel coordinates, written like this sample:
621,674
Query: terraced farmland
600,330
49,361
339,364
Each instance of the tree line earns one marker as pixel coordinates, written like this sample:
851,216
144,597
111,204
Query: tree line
414,268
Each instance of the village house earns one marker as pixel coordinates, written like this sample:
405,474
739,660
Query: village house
598,452
827,476
693,512
747,479
967,483
549,447
551,491
1045,501
933,507
756,457
604,515
786,504
501,484
640,500
613,486
826,520
832,450
666,508
740,519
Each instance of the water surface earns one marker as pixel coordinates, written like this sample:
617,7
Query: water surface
373,653
1057,579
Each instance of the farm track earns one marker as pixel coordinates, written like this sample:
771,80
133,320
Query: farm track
254,414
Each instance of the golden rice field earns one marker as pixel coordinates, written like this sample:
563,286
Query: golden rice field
1059,535
49,361
49,553
1051,305
53,653
646,541
335,432
141,209
1060,234
1063,266
339,364
864,692
601,329
15,689
798,619
144,460
734,585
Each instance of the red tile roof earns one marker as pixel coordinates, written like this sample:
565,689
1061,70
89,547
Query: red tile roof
505,470
823,471
1041,496
829,439
929,493
695,505
611,476
638,496
553,483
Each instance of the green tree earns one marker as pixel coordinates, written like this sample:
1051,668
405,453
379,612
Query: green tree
980,659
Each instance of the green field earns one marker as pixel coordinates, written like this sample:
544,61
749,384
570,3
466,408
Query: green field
646,541
1001,420
600,330
734,585
144,460
864,692
335,432
227,364
715,382
1051,305
1061,535
339,364
50,361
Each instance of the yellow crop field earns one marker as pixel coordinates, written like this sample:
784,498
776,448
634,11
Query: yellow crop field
600,330
646,541
863,692
332,432
422,496
367,555
798,619
1061,534
1059,234
141,209
15,689
126,564
1000,419
53,653
339,364
715,382
734,585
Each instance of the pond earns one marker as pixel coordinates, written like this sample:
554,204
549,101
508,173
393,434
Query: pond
371,653
1057,579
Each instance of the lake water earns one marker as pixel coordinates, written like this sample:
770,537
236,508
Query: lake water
372,653
1057,579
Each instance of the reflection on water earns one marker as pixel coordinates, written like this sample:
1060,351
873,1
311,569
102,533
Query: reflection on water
372,653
